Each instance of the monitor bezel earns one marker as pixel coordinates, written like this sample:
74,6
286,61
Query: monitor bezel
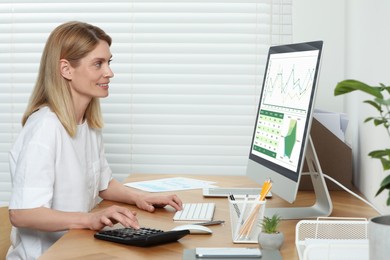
296,47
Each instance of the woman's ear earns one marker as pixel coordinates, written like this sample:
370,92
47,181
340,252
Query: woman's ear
65,69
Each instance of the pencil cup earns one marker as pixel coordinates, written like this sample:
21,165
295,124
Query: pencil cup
246,216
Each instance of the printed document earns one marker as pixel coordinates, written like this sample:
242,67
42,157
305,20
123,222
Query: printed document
169,184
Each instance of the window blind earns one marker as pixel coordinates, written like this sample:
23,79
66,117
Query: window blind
187,77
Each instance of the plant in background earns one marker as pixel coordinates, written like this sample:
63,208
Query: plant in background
270,224
381,102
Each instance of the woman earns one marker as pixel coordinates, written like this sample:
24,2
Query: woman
58,166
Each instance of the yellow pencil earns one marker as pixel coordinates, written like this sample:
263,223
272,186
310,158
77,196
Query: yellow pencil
248,224
265,189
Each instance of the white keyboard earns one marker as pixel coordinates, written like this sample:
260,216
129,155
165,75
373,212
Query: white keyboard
195,212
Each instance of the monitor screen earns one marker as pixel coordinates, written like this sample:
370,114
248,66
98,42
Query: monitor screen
284,115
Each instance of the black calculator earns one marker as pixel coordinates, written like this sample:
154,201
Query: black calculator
141,237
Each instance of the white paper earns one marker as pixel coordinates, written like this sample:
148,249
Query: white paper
169,184
335,122
336,249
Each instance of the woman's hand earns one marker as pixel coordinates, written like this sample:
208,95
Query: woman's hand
143,200
149,202
112,215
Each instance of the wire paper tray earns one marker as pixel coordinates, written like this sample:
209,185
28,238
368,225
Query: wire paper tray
332,238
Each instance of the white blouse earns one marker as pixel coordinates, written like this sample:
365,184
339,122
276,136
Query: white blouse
51,169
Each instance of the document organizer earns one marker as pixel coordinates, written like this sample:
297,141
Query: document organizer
332,238
246,216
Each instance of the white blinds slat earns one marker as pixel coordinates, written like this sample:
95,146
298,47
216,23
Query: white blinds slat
187,77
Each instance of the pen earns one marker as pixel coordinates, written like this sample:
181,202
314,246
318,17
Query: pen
234,204
209,223
240,221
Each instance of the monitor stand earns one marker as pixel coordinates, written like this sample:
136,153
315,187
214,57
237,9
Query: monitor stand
323,204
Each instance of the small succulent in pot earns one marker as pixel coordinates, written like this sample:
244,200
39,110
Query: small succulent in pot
270,224
270,237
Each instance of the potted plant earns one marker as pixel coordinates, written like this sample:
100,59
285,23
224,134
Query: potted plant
381,103
270,237
378,227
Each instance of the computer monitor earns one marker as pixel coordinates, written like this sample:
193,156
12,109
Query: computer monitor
281,137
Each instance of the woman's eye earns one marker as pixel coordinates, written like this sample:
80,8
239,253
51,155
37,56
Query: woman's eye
98,64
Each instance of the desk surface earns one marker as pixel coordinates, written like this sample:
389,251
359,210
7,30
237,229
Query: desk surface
80,244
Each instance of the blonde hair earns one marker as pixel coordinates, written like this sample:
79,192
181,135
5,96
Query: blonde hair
71,41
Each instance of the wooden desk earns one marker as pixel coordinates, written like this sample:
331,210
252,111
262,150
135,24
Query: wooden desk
80,244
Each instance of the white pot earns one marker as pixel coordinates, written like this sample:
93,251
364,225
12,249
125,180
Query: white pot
271,241
379,237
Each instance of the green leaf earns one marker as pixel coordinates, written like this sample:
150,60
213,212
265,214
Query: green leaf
385,88
380,190
385,184
379,153
350,85
379,121
388,200
381,101
374,104
368,119
385,164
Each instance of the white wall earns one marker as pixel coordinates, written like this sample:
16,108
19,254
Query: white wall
368,56
323,20
357,43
